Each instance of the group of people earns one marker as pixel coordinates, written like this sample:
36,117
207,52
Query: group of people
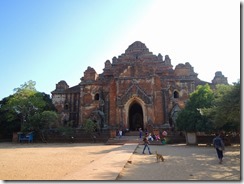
148,137
154,136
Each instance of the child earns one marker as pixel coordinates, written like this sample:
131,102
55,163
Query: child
150,138
157,137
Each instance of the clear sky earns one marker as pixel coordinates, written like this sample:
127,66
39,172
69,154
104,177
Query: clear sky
51,40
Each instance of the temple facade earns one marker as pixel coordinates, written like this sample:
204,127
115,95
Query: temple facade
136,90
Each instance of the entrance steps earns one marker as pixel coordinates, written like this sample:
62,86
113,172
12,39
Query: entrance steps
129,140
124,140
128,137
133,137
132,133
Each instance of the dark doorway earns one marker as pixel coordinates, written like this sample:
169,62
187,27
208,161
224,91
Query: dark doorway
135,117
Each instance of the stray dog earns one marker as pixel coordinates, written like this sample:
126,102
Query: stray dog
159,156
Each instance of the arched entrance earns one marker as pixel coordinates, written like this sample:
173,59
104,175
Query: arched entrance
135,117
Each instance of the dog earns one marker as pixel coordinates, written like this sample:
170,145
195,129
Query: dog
159,156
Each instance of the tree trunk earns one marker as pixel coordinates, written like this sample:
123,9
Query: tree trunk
41,134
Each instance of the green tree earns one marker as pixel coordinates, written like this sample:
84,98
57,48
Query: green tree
90,127
225,111
40,122
17,110
8,122
191,119
25,102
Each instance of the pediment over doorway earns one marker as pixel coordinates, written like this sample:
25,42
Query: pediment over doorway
134,91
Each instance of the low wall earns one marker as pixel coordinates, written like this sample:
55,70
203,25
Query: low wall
228,140
78,136
207,139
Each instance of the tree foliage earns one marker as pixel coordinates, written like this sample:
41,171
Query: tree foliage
41,121
8,122
25,108
89,126
190,119
225,111
24,102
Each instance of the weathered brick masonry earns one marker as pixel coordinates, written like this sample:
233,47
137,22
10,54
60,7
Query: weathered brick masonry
137,89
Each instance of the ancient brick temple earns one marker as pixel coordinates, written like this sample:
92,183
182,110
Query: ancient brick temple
136,90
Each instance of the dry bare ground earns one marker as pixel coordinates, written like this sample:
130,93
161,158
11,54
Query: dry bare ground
46,161
183,163
54,161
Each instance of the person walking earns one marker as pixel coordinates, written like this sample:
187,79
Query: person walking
219,146
146,144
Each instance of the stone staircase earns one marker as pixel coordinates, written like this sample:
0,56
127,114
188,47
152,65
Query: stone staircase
133,137
124,140
129,137
132,133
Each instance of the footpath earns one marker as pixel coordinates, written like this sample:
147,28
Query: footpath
106,168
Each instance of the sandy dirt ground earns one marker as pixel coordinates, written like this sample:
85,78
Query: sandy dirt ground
183,163
46,161
54,161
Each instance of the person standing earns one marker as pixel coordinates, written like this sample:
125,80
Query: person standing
164,134
140,133
219,146
120,133
146,144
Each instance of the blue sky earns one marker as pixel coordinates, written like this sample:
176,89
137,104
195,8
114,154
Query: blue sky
51,40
